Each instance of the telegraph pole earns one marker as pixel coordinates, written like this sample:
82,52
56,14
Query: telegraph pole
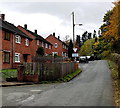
73,27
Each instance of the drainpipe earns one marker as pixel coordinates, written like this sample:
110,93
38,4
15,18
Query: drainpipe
13,50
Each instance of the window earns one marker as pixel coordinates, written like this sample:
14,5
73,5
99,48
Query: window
46,45
42,44
54,53
7,57
56,45
17,57
26,42
7,36
50,47
38,42
18,39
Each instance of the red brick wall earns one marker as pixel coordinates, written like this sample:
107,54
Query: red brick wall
6,45
52,39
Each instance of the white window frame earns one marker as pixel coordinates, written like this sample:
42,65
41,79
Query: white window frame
56,45
46,45
50,47
38,42
26,42
17,55
43,44
53,53
18,39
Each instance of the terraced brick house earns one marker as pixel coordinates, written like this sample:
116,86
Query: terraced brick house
59,47
16,46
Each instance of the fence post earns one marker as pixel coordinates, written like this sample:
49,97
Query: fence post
20,73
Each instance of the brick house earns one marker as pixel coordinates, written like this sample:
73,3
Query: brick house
16,46
59,47
39,41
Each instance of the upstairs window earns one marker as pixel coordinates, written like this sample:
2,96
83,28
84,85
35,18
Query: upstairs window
6,57
38,42
46,45
17,39
43,44
50,47
7,36
56,45
26,42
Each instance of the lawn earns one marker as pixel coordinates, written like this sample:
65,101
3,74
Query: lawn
8,73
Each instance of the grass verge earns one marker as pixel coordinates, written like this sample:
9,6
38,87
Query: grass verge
116,82
66,78
8,73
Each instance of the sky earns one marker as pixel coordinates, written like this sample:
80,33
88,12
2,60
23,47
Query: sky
50,16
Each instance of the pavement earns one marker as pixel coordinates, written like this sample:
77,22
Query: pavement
93,87
6,84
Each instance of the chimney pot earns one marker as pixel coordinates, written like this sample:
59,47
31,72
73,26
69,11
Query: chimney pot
58,37
25,26
2,16
54,34
36,31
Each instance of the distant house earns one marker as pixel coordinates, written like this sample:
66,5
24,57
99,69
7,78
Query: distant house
59,47
38,41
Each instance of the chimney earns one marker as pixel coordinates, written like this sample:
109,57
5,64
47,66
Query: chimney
36,31
2,16
54,34
58,37
25,26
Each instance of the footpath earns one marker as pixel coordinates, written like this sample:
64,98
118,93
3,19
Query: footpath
6,84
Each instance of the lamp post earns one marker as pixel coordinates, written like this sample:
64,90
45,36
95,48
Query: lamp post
75,49
74,27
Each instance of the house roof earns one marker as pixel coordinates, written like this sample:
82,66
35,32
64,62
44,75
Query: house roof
38,37
12,28
59,40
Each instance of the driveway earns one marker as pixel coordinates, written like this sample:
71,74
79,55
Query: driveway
93,87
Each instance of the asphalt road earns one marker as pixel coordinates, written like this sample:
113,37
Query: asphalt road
93,87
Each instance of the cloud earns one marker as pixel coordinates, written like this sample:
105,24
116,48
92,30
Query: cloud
49,17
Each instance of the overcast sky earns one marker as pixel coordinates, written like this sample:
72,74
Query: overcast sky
48,17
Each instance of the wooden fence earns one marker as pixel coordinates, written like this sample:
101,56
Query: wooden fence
46,71
47,59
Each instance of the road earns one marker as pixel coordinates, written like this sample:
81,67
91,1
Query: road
93,87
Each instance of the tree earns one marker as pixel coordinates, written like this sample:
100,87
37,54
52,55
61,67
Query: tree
70,49
84,36
87,48
40,51
89,35
78,42
94,34
66,39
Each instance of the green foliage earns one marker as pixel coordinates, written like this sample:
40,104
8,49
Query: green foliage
70,49
87,48
71,76
40,51
107,16
8,73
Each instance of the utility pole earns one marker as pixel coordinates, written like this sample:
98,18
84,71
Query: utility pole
73,19
73,28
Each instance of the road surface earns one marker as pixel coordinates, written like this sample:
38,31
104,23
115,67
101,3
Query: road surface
93,87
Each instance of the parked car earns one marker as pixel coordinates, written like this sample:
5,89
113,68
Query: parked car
83,59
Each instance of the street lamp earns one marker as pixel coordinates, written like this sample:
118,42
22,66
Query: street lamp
74,27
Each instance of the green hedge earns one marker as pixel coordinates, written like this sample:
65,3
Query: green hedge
116,58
